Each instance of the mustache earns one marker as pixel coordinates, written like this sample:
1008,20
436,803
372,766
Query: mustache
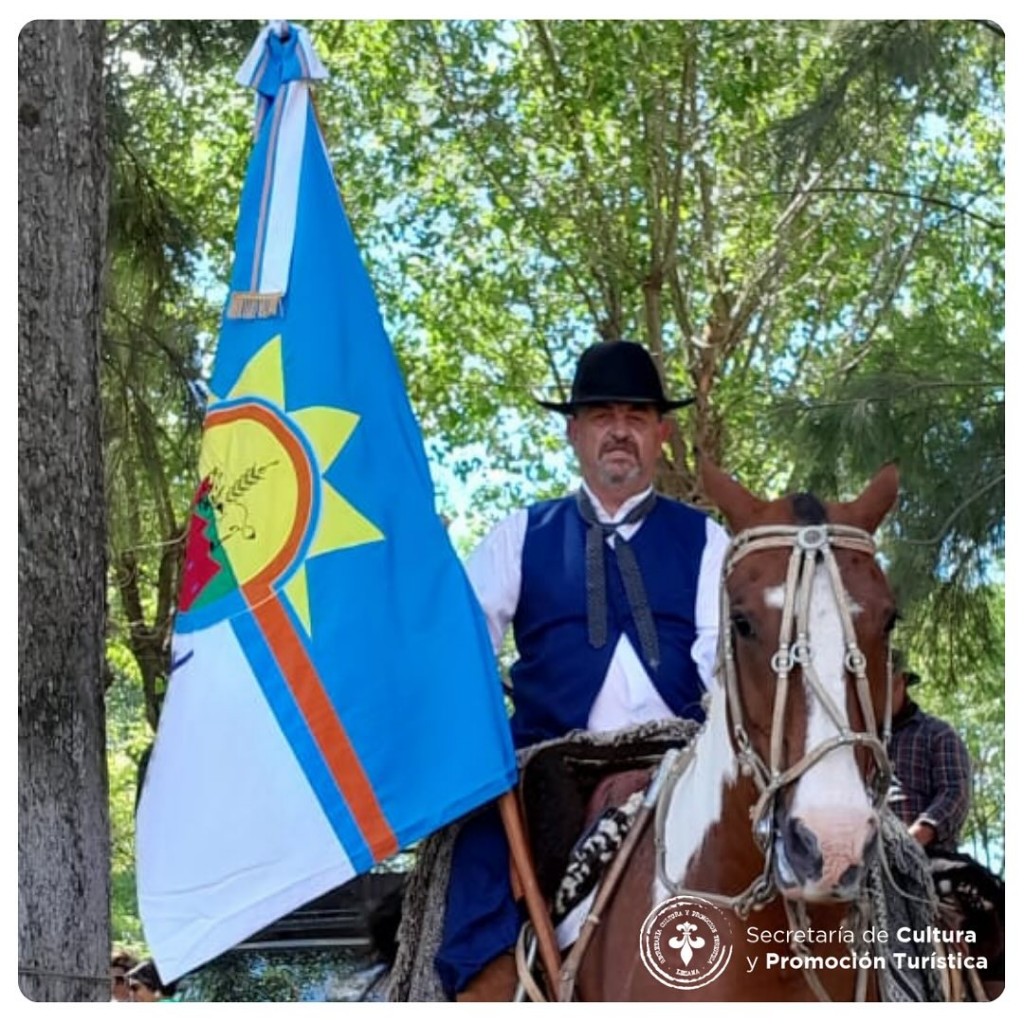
623,445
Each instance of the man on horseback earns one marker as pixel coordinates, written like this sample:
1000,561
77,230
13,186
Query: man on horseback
612,593
931,794
931,769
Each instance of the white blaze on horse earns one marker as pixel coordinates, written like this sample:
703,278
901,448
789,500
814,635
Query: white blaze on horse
775,816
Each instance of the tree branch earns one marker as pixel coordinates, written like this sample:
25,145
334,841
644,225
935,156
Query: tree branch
867,190
526,220
951,518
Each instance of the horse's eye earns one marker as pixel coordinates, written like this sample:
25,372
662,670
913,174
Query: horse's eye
890,623
742,625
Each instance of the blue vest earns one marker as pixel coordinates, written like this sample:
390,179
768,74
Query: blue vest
559,675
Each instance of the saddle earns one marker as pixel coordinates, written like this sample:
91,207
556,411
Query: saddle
973,898
568,785
559,780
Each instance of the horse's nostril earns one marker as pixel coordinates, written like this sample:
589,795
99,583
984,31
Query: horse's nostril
850,876
803,850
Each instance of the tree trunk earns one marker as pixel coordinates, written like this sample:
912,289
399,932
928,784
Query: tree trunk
63,832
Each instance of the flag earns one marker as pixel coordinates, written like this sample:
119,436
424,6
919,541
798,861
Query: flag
333,693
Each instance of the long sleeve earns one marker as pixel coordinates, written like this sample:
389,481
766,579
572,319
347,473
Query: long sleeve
495,571
705,647
951,782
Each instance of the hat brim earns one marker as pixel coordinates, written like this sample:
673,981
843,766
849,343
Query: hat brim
568,408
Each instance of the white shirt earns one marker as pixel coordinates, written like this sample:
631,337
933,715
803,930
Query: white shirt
627,696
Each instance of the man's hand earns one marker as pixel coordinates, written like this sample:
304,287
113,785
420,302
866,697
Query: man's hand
922,832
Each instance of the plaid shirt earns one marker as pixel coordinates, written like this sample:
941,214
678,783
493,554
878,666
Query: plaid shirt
931,774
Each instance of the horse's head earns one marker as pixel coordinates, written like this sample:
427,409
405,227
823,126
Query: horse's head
806,616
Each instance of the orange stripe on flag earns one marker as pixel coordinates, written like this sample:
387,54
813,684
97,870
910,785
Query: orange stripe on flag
323,722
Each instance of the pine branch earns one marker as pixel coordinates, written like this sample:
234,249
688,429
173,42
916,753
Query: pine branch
952,517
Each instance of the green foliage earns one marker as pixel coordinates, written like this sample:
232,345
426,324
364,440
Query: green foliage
520,188
513,187
881,62
285,975
938,413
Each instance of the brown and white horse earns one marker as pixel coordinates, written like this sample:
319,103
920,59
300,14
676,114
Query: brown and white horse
776,815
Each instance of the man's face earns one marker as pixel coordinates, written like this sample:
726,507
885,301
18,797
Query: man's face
618,445
899,692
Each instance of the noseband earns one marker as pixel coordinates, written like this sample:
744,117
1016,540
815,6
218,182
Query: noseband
810,546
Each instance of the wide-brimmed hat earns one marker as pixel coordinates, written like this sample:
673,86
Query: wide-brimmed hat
616,371
900,667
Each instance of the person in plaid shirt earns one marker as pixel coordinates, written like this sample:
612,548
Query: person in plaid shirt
931,769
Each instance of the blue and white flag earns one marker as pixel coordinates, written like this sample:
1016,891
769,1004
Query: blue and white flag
333,695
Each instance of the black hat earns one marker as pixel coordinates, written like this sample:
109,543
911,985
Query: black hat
899,667
616,371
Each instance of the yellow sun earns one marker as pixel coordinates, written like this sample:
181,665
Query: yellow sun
265,491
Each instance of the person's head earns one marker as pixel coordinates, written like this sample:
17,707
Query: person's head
902,677
617,445
616,422
144,984
120,965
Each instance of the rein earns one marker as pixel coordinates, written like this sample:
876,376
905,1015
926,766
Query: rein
810,546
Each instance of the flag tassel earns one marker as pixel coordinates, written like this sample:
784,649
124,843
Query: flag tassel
255,305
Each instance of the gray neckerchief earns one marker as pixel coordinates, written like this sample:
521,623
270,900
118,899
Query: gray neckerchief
597,595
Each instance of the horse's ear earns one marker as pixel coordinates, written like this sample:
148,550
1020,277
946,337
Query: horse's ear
734,501
874,502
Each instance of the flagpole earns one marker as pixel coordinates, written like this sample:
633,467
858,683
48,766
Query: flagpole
535,904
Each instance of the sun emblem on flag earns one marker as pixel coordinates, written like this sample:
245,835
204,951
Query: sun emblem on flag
263,508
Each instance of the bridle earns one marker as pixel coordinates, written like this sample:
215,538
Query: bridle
810,546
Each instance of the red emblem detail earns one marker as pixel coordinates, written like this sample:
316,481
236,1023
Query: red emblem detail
200,568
